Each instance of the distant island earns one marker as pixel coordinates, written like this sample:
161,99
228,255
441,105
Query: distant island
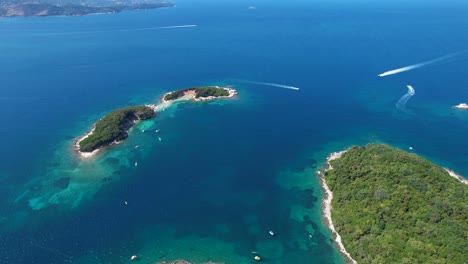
461,106
24,8
390,206
113,128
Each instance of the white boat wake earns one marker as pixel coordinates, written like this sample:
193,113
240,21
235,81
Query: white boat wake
401,104
181,26
273,85
419,65
115,30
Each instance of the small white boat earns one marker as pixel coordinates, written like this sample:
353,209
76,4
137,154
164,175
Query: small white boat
137,146
410,148
125,202
134,257
157,130
271,233
160,139
143,131
136,164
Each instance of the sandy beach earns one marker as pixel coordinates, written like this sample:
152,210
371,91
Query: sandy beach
327,206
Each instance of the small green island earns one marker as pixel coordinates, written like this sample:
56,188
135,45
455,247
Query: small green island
390,206
200,93
114,127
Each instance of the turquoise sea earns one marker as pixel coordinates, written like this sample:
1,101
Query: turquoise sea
226,172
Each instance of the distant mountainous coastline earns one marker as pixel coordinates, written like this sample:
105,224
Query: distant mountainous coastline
24,8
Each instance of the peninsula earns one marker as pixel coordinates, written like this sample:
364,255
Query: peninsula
24,8
113,128
390,206
461,106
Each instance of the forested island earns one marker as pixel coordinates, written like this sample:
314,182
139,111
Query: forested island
13,8
114,127
390,206
200,93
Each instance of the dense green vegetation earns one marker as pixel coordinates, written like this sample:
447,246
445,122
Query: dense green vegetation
204,91
114,126
176,94
390,206
210,91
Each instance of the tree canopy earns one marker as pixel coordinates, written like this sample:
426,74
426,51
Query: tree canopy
390,206
114,126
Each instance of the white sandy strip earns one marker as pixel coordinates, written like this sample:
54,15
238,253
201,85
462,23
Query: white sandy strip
456,176
327,207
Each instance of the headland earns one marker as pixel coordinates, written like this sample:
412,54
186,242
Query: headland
390,206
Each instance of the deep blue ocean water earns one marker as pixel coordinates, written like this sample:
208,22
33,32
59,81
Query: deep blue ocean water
226,172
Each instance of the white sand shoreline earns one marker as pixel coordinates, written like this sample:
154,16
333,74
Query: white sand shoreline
327,206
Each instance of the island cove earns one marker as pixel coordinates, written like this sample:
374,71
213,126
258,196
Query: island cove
113,128
390,206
